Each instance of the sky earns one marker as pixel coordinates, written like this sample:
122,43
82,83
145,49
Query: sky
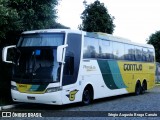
135,20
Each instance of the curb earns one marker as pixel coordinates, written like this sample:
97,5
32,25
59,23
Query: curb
10,106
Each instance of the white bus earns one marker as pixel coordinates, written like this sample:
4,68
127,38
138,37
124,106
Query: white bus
62,66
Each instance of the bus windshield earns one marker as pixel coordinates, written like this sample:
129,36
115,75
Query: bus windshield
43,39
36,58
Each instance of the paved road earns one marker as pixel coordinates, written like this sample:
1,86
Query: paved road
150,101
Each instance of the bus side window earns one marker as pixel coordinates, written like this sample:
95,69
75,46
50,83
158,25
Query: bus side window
138,53
91,48
118,51
105,49
129,52
151,55
144,55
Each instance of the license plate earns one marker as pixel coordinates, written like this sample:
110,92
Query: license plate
31,98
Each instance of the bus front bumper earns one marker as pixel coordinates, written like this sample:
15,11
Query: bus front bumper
53,98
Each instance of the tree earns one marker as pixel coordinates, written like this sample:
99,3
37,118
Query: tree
59,26
9,18
22,15
154,39
95,18
35,14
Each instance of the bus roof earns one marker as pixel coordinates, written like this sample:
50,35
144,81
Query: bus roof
52,30
99,35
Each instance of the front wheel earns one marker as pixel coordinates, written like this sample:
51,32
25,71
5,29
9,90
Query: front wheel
87,96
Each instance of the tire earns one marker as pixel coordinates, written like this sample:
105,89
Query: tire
138,89
143,88
87,96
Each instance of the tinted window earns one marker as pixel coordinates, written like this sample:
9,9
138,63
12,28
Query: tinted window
138,54
105,49
36,66
72,59
118,50
91,48
151,55
129,52
145,54
30,40
69,64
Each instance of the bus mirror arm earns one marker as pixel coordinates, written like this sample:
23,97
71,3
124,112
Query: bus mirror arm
5,52
60,50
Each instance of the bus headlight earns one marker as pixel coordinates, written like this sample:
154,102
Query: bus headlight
14,87
53,89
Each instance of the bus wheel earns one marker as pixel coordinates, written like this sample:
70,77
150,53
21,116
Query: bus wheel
87,96
144,87
138,88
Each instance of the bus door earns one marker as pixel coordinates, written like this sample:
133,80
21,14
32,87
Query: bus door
71,87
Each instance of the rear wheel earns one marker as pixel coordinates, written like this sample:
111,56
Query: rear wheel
143,88
87,96
138,88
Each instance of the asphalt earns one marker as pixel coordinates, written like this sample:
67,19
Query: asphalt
10,106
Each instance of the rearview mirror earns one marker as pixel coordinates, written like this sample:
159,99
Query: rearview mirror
60,50
5,53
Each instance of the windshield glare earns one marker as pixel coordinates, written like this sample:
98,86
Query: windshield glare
38,65
49,39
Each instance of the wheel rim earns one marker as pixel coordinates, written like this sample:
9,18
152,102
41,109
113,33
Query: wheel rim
86,97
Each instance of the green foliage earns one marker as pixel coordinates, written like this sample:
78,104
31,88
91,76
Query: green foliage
9,19
154,39
35,14
59,26
21,15
95,18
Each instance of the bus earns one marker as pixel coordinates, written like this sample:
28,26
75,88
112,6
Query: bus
63,66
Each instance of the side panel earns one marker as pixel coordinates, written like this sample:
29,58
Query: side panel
102,77
133,71
111,77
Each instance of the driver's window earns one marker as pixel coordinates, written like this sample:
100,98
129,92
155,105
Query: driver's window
72,59
69,64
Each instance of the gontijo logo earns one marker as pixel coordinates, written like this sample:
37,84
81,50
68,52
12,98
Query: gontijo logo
72,94
22,86
132,67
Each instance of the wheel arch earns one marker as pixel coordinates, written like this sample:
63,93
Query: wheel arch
90,86
145,83
137,87
138,82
